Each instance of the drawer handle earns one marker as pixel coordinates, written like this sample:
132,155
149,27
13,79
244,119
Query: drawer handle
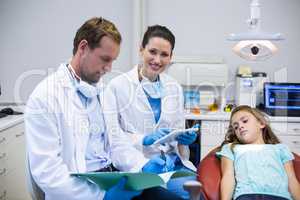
20,134
297,130
3,171
2,140
3,195
2,156
296,142
278,132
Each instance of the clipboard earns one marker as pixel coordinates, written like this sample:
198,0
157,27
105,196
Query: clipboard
135,180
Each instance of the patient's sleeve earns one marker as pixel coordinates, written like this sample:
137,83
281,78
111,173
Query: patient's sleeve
285,153
226,152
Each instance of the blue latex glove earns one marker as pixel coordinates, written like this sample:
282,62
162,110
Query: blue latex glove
119,192
188,137
152,137
159,164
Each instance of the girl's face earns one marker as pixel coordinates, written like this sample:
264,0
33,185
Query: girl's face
247,128
156,57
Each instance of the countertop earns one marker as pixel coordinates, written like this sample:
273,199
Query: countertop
224,116
11,120
218,115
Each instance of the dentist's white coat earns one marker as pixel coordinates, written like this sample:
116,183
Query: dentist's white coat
57,134
129,118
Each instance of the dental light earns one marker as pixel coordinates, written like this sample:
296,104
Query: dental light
255,45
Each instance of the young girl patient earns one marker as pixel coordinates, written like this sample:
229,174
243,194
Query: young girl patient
254,164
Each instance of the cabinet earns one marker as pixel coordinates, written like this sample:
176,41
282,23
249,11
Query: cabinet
214,128
288,133
13,184
212,134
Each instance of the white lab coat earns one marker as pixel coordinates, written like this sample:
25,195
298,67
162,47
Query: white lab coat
57,134
129,118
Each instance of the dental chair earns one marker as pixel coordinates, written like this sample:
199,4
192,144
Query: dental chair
209,175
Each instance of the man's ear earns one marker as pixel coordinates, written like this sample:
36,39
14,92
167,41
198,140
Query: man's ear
83,44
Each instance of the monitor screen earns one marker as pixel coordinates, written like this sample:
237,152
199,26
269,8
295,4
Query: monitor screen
282,96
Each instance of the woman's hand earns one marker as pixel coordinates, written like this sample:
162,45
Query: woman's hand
188,137
159,164
152,137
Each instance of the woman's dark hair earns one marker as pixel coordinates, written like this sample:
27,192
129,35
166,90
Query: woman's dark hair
158,31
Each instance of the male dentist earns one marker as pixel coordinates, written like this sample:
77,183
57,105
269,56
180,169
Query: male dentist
65,130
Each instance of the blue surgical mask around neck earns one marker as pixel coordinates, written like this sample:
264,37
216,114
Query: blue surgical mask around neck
153,89
86,89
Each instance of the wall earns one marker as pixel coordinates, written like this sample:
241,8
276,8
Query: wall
201,28
38,35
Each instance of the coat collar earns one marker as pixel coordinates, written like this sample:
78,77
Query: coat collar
67,81
64,76
134,76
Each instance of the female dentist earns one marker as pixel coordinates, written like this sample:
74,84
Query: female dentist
142,106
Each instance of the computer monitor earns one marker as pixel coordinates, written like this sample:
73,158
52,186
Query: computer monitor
282,99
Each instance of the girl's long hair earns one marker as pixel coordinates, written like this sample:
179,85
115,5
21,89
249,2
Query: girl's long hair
268,135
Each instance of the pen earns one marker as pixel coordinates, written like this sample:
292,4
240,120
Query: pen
185,130
163,156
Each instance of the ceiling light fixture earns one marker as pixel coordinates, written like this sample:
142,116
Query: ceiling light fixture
255,45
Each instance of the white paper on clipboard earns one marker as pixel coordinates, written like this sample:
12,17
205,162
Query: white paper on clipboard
172,135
